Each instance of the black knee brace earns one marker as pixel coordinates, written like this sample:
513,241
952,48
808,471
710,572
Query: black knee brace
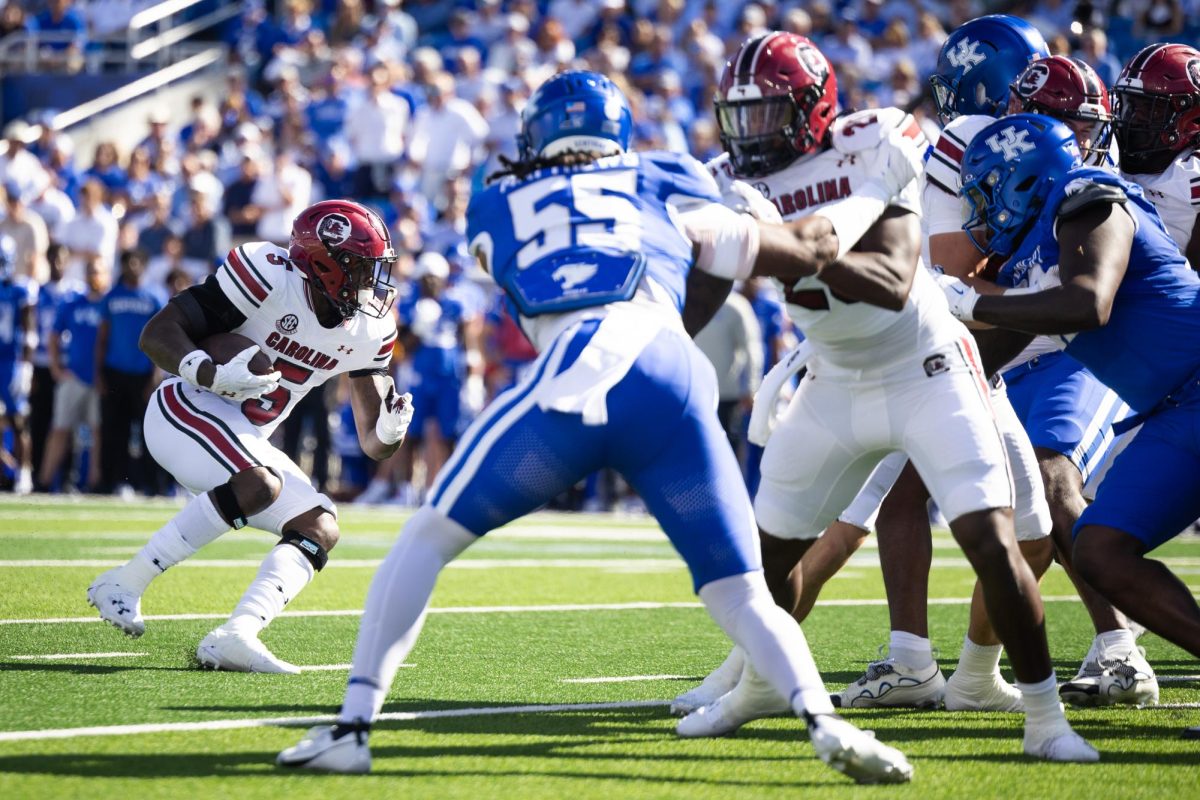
317,555
228,506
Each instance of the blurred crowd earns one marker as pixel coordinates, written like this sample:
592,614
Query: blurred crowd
405,105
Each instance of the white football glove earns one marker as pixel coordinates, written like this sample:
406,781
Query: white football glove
395,414
22,380
960,296
745,199
899,160
234,381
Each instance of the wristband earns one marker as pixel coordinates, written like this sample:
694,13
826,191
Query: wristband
189,365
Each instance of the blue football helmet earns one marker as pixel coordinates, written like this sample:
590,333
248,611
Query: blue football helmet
8,257
575,110
1008,170
979,61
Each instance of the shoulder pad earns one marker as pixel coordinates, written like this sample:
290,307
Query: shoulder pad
864,130
945,157
1181,179
253,271
721,170
1087,190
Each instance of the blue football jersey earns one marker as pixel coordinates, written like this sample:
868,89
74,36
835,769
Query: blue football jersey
562,239
1151,344
15,296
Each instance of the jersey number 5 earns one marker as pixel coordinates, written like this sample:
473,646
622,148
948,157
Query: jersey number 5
267,408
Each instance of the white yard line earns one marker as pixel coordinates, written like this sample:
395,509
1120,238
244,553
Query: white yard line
334,667
234,724
1178,678
462,563
65,656
627,679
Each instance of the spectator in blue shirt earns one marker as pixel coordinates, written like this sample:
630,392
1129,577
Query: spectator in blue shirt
107,169
52,296
124,375
18,298
75,400
67,30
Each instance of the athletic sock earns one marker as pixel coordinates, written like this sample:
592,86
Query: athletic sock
978,660
1112,644
1042,706
910,650
283,575
196,524
395,608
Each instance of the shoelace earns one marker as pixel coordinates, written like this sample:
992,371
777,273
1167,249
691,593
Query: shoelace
876,670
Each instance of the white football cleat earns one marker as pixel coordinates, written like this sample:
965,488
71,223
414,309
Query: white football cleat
753,698
971,693
1059,743
856,753
1105,682
888,684
720,681
117,605
240,652
319,750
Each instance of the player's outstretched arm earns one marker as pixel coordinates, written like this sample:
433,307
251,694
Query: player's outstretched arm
880,268
1094,247
169,337
381,414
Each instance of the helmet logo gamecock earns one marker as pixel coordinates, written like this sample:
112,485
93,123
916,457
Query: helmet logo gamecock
966,55
1193,70
1033,80
333,229
287,324
811,60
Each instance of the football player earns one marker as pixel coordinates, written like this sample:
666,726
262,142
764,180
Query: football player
859,401
1089,262
587,242
319,309
1158,126
18,337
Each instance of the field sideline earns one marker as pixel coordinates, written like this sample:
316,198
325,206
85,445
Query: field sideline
544,671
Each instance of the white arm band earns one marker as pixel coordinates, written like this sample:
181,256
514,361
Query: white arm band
728,241
189,365
855,215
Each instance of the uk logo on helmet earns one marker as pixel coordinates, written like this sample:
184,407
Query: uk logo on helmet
1010,143
333,230
966,55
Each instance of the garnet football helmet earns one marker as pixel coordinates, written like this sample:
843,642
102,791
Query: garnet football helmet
1067,89
346,252
1157,106
775,103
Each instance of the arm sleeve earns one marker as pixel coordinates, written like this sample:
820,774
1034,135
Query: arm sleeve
208,309
943,212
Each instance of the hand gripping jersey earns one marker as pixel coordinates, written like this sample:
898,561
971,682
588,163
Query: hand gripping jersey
846,332
1151,344
1175,192
264,286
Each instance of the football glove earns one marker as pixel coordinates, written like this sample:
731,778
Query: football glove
959,296
898,161
395,414
745,199
234,381
22,380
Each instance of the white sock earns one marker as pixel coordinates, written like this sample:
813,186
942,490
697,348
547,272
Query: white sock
910,650
1042,707
979,660
283,575
1112,644
395,609
196,524
774,643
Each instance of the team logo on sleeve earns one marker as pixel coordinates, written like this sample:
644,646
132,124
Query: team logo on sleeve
287,324
333,230
1010,143
966,55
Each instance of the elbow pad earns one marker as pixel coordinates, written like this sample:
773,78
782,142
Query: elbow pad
728,242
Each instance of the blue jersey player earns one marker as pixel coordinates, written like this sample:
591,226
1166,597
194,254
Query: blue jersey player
1093,266
585,240
18,299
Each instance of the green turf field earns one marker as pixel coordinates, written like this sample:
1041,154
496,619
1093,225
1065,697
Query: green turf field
546,613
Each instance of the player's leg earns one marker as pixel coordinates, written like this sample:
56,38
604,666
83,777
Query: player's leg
204,455
953,441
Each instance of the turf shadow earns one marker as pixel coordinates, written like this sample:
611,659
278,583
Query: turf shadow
84,669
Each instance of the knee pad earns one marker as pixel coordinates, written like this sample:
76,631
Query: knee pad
227,504
317,555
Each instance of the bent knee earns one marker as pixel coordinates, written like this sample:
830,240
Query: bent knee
317,525
255,489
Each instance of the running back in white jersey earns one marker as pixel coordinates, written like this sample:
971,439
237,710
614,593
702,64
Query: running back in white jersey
273,295
846,332
1175,193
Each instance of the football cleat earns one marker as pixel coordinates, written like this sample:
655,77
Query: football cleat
991,693
856,753
753,698
117,605
1059,744
1104,682
888,684
719,681
330,748
240,652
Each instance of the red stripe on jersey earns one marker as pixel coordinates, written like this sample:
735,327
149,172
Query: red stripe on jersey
387,347
247,280
949,149
1196,192
207,431
969,351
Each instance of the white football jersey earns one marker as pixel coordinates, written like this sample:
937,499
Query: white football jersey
846,332
263,284
1175,193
